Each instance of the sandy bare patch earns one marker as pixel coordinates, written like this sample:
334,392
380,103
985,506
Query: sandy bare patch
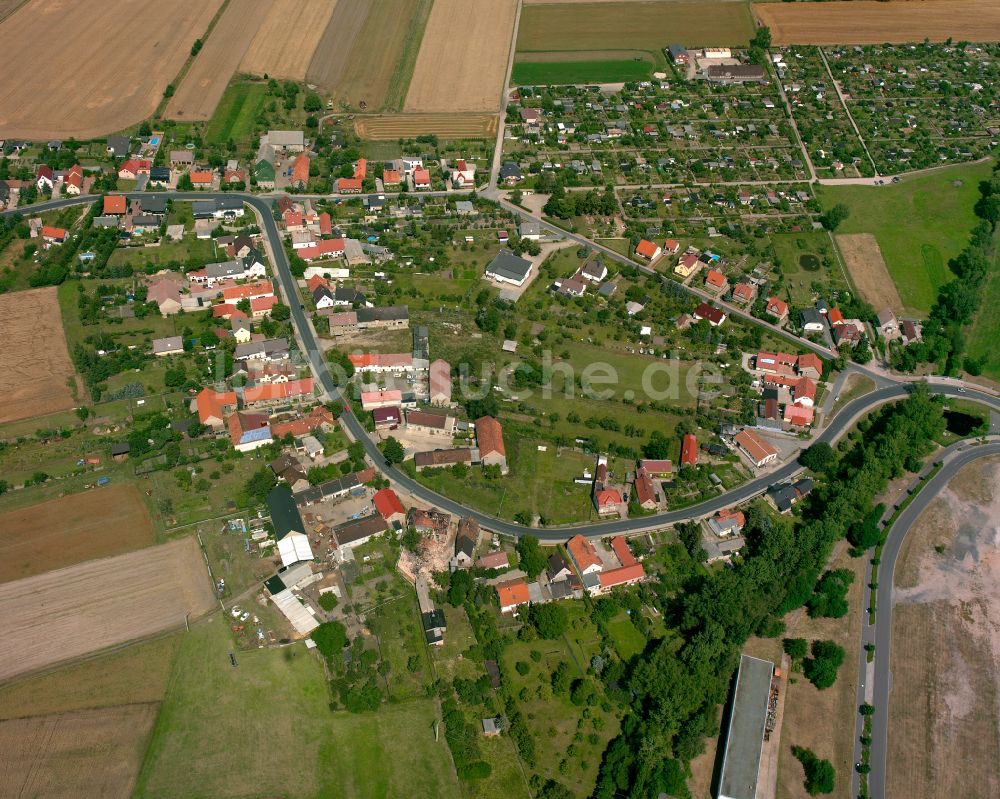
34,360
72,529
84,754
286,40
868,271
466,75
870,22
86,69
211,70
63,614
945,697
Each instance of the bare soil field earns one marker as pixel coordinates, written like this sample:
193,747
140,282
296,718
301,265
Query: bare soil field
470,77
134,674
868,271
823,720
945,699
871,22
445,126
333,52
75,755
102,67
200,91
34,361
287,38
632,25
63,614
72,529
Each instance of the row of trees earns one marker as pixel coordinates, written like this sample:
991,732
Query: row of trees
675,691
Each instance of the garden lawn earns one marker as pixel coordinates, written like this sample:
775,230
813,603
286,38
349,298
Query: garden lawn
628,640
919,223
264,728
236,113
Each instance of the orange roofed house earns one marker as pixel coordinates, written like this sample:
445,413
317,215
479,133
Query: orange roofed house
213,406
648,250
388,505
300,171
512,594
716,282
584,555
489,439
689,450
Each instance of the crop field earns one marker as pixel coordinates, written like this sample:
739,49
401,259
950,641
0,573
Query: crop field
202,87
631,25
333,51
66,613
234,118
390,127
872,22
469,77
866,266
287,38
919,224
82,754
231,732
103,66
34,380
943,706
72,529
534,73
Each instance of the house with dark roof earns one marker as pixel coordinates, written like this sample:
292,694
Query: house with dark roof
506,267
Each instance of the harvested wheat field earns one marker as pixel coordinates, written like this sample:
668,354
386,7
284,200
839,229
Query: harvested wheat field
200,91
445,126
78,755
872,22
470,77
868,271
72,529
333,51
944,705
87,69
63,614
34,361
286,40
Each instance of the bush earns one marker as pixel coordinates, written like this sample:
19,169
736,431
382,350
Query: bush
821,668
830,599
327,601
550,620
330,637
522,667
796,648
819,772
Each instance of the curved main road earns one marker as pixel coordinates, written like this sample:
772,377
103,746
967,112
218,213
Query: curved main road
965,453
840,424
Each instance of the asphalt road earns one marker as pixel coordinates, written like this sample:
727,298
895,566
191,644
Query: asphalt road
883,604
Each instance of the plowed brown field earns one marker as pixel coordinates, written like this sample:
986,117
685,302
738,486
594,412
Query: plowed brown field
87,69
447,126
285,42
34,358
867,268
200,91
870,22
466,75
63,614
72,529
78,755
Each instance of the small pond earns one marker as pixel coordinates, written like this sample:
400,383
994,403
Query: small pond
809,262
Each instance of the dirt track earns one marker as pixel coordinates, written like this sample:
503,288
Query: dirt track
200,91
88,69
63,614
286,40
72,529
871,22
865,263
79,755
468,77
34,359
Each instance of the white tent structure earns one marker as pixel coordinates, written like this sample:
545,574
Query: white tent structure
293,548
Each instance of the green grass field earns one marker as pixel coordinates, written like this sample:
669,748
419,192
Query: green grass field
264,728
534,73
628,640
236,113
618,26
919,223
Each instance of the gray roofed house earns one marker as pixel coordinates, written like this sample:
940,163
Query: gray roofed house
736,73
151,203
286,139
285,517
106,221
118,146
510,172
607,289
171,345
203,209
506,267
465,208
346,295
159,174
594,269
812,320
330,489
388,313
745,734
270,349
529,230
358,532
